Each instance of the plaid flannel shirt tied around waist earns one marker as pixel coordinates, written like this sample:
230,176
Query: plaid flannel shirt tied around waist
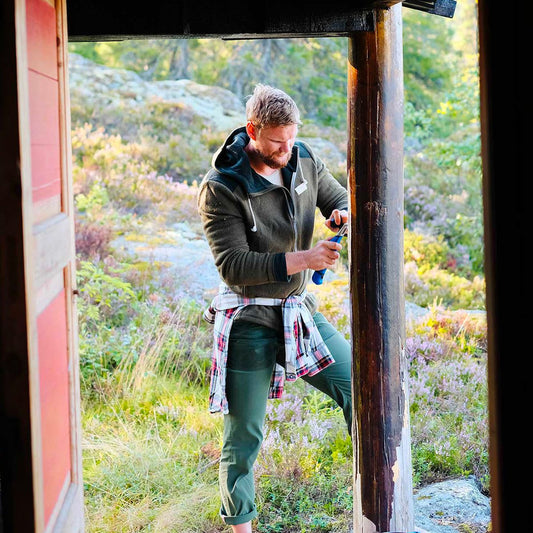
305,351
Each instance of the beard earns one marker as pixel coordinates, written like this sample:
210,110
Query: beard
274,160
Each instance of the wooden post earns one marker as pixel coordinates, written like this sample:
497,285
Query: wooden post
382,470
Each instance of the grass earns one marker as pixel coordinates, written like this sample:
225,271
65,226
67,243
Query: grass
150,456
151,448
146,460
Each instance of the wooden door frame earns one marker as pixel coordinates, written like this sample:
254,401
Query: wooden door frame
500,155
27,288
70,516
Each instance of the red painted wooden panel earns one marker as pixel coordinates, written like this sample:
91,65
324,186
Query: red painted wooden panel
44,124
42,37
54,395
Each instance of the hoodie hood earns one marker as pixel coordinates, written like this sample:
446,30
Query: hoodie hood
232,161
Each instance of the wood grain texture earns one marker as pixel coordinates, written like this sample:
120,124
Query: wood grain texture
51,247
375,162
203,18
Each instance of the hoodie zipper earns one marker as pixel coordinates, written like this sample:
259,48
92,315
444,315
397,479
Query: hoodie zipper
293,212
254,227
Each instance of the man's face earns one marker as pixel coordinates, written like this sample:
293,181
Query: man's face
273,144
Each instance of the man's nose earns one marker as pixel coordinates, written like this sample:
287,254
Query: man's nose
286,147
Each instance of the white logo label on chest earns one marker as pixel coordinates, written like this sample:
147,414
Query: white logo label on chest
301,188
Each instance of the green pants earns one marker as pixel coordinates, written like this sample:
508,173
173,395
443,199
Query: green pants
252,354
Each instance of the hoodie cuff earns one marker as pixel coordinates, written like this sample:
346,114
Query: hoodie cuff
280,268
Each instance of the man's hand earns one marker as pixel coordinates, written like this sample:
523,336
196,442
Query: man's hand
339,216
322,255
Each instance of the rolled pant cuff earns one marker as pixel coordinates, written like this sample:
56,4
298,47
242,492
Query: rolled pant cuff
241,519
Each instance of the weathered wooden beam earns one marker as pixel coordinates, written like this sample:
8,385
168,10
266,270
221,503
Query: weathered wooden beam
382,469
100,20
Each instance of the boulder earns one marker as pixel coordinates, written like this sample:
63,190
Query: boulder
125,104
452,506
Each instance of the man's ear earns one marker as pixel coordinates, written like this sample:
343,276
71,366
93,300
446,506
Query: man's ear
251,130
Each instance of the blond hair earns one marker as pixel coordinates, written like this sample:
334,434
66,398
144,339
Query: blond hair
268,106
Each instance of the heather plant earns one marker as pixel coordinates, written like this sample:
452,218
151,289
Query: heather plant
426,251
303,472
448,392
181,153
115,181
444,288
92,240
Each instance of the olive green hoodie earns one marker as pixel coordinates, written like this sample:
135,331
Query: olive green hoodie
251,223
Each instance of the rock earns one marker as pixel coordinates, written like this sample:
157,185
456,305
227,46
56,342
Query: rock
124,103
414,312
451,506
190,269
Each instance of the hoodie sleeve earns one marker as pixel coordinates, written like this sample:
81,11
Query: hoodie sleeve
331,194
225,231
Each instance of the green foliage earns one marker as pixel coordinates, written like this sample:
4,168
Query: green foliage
426,251
125,338
304,475
443,171
106,295
442,134
428,59
96,198
436,286
115,180
105,304
433,274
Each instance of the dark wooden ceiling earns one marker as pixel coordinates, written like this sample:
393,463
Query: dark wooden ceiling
100,20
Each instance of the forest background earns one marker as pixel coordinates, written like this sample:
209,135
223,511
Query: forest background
150,448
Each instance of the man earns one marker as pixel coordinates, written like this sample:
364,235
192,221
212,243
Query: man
257,206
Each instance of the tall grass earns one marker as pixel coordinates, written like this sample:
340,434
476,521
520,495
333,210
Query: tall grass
144,464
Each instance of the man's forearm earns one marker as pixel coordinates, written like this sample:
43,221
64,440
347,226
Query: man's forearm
296,262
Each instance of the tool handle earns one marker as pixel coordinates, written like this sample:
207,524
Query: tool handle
318,275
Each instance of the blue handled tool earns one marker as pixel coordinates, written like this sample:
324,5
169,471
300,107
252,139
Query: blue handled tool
318,275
